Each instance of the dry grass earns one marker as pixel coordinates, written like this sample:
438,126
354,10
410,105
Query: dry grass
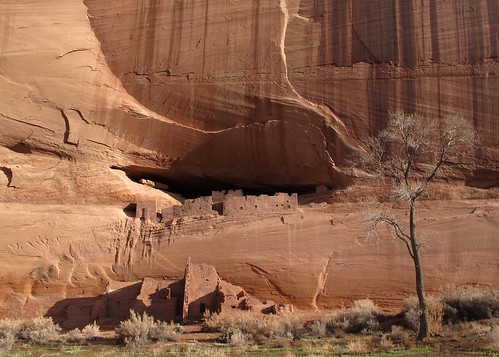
6,343
91,331
40,330
258,326
358,347
88,333
385,343
469,304
494,338
234,336
141,329
435,313
361,317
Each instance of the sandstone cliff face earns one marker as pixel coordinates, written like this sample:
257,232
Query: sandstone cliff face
326,71
165,88
259,94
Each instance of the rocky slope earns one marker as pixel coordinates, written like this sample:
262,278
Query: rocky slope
264,95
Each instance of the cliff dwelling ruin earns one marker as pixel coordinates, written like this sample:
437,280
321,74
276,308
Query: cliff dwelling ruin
230,203
186,300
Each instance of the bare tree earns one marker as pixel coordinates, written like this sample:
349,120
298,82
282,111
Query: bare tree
410,152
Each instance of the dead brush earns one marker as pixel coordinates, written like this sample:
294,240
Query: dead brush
88,333
141,329
361,317
234,336
358,347
435,313
39,330
494,338
10,327
469,304
270,326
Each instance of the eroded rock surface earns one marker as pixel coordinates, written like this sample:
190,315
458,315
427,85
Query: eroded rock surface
266,95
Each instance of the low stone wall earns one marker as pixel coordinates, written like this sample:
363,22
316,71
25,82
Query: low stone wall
218,196
259,204
201,206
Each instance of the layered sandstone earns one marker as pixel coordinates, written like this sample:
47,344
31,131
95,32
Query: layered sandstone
265,95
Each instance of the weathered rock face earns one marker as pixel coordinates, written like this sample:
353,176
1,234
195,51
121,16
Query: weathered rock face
255,94
329,71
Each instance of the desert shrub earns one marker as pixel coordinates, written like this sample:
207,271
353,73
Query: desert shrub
494,337
358,347
362,316
233,336
269,326
91,331
470,304
74,336
318,328
166,331
385,343
435,313
10,327
141,329
6,343
398,334
39,330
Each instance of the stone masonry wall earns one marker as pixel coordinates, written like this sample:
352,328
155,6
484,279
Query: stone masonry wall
146,210
259,204
198,207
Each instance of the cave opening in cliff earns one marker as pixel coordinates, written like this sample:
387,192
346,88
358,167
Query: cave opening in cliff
190,187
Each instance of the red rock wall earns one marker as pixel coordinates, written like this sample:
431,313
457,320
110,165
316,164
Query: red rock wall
338,66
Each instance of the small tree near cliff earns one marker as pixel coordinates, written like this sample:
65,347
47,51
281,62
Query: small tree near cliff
410,152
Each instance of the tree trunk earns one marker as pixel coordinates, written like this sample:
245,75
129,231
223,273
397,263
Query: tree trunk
423,304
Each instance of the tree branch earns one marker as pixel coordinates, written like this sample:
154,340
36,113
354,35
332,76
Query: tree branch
393,223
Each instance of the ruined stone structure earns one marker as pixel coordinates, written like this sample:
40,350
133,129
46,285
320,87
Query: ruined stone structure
183,300
233,205
200,292
205,291
146,210
158,299
201,206
228,203
218,198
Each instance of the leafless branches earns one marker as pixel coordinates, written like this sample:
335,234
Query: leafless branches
412,149
377,218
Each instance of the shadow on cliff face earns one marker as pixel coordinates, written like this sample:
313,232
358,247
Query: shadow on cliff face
109,309
275,156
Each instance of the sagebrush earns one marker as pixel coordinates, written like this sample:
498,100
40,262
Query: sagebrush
255,325
470,304
361,317
141,329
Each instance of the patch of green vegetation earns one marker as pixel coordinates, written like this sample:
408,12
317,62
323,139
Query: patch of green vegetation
416,351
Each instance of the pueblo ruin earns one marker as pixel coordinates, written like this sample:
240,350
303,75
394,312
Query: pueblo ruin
187,301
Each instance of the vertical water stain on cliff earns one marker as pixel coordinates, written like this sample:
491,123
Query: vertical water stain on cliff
493,12
434,28
256,34
176,28
409,48
205,35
